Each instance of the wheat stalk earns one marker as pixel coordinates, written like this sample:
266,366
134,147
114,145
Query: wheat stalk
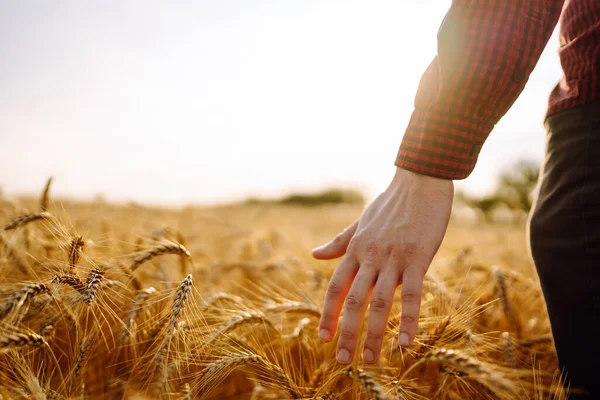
26,219
166,247
316,379
536,340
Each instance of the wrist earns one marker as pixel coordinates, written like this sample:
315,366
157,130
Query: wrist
402,175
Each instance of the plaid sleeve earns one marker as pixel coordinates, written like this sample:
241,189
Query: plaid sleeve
486,51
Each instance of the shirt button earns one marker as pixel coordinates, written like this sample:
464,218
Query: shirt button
518,76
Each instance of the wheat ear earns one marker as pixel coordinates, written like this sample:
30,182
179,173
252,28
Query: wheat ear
245,318
368,383
176,309
294,307
138,302
298,331
507,307
468,365
45,199
15,340
75,252
433,338
327,396
224,366
25,219
22,296
165,247
93,282
235,301
70,280
509,349
80,361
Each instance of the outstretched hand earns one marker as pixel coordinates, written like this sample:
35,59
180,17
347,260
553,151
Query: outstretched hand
391,244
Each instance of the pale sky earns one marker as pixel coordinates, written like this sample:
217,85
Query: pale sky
216,100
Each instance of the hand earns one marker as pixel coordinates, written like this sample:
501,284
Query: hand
392,243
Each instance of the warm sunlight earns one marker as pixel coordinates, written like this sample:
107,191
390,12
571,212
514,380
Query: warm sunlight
209,101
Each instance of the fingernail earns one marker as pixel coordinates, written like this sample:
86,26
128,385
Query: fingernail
368,356
324,335
343,356
319,248
404,340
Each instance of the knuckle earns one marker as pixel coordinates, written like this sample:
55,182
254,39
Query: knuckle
410,295
334,288
375,335
379,303
354,302
348,334
414,252
356,240
326,319
408,319
338,239
372,249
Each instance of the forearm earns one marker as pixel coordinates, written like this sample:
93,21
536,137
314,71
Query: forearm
486,51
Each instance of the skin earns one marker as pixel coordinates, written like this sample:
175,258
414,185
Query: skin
392,244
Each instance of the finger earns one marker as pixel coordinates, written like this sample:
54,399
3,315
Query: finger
334,298
337,247
354,311
381,305
412,284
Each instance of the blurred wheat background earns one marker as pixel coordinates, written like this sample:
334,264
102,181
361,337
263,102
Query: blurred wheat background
125,301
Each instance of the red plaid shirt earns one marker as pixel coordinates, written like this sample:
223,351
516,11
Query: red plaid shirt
486,52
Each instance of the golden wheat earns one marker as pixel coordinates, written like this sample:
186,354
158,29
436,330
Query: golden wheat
100,327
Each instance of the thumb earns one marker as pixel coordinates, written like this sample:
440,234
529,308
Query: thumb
337,247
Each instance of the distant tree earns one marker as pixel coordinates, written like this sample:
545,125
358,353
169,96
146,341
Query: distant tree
514,190
328,196
516,185
485,204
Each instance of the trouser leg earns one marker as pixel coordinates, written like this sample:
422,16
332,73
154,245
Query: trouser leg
564,234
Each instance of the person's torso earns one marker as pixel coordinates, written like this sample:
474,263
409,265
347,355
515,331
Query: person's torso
579,56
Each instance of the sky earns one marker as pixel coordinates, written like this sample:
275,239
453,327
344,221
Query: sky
216,100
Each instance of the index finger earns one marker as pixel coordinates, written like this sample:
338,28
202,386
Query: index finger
412,284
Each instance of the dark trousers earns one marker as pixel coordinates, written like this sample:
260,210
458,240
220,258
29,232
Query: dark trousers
564,235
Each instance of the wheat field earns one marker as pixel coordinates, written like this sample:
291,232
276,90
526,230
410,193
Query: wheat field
106,301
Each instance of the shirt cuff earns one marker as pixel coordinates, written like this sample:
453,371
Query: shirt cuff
441,145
